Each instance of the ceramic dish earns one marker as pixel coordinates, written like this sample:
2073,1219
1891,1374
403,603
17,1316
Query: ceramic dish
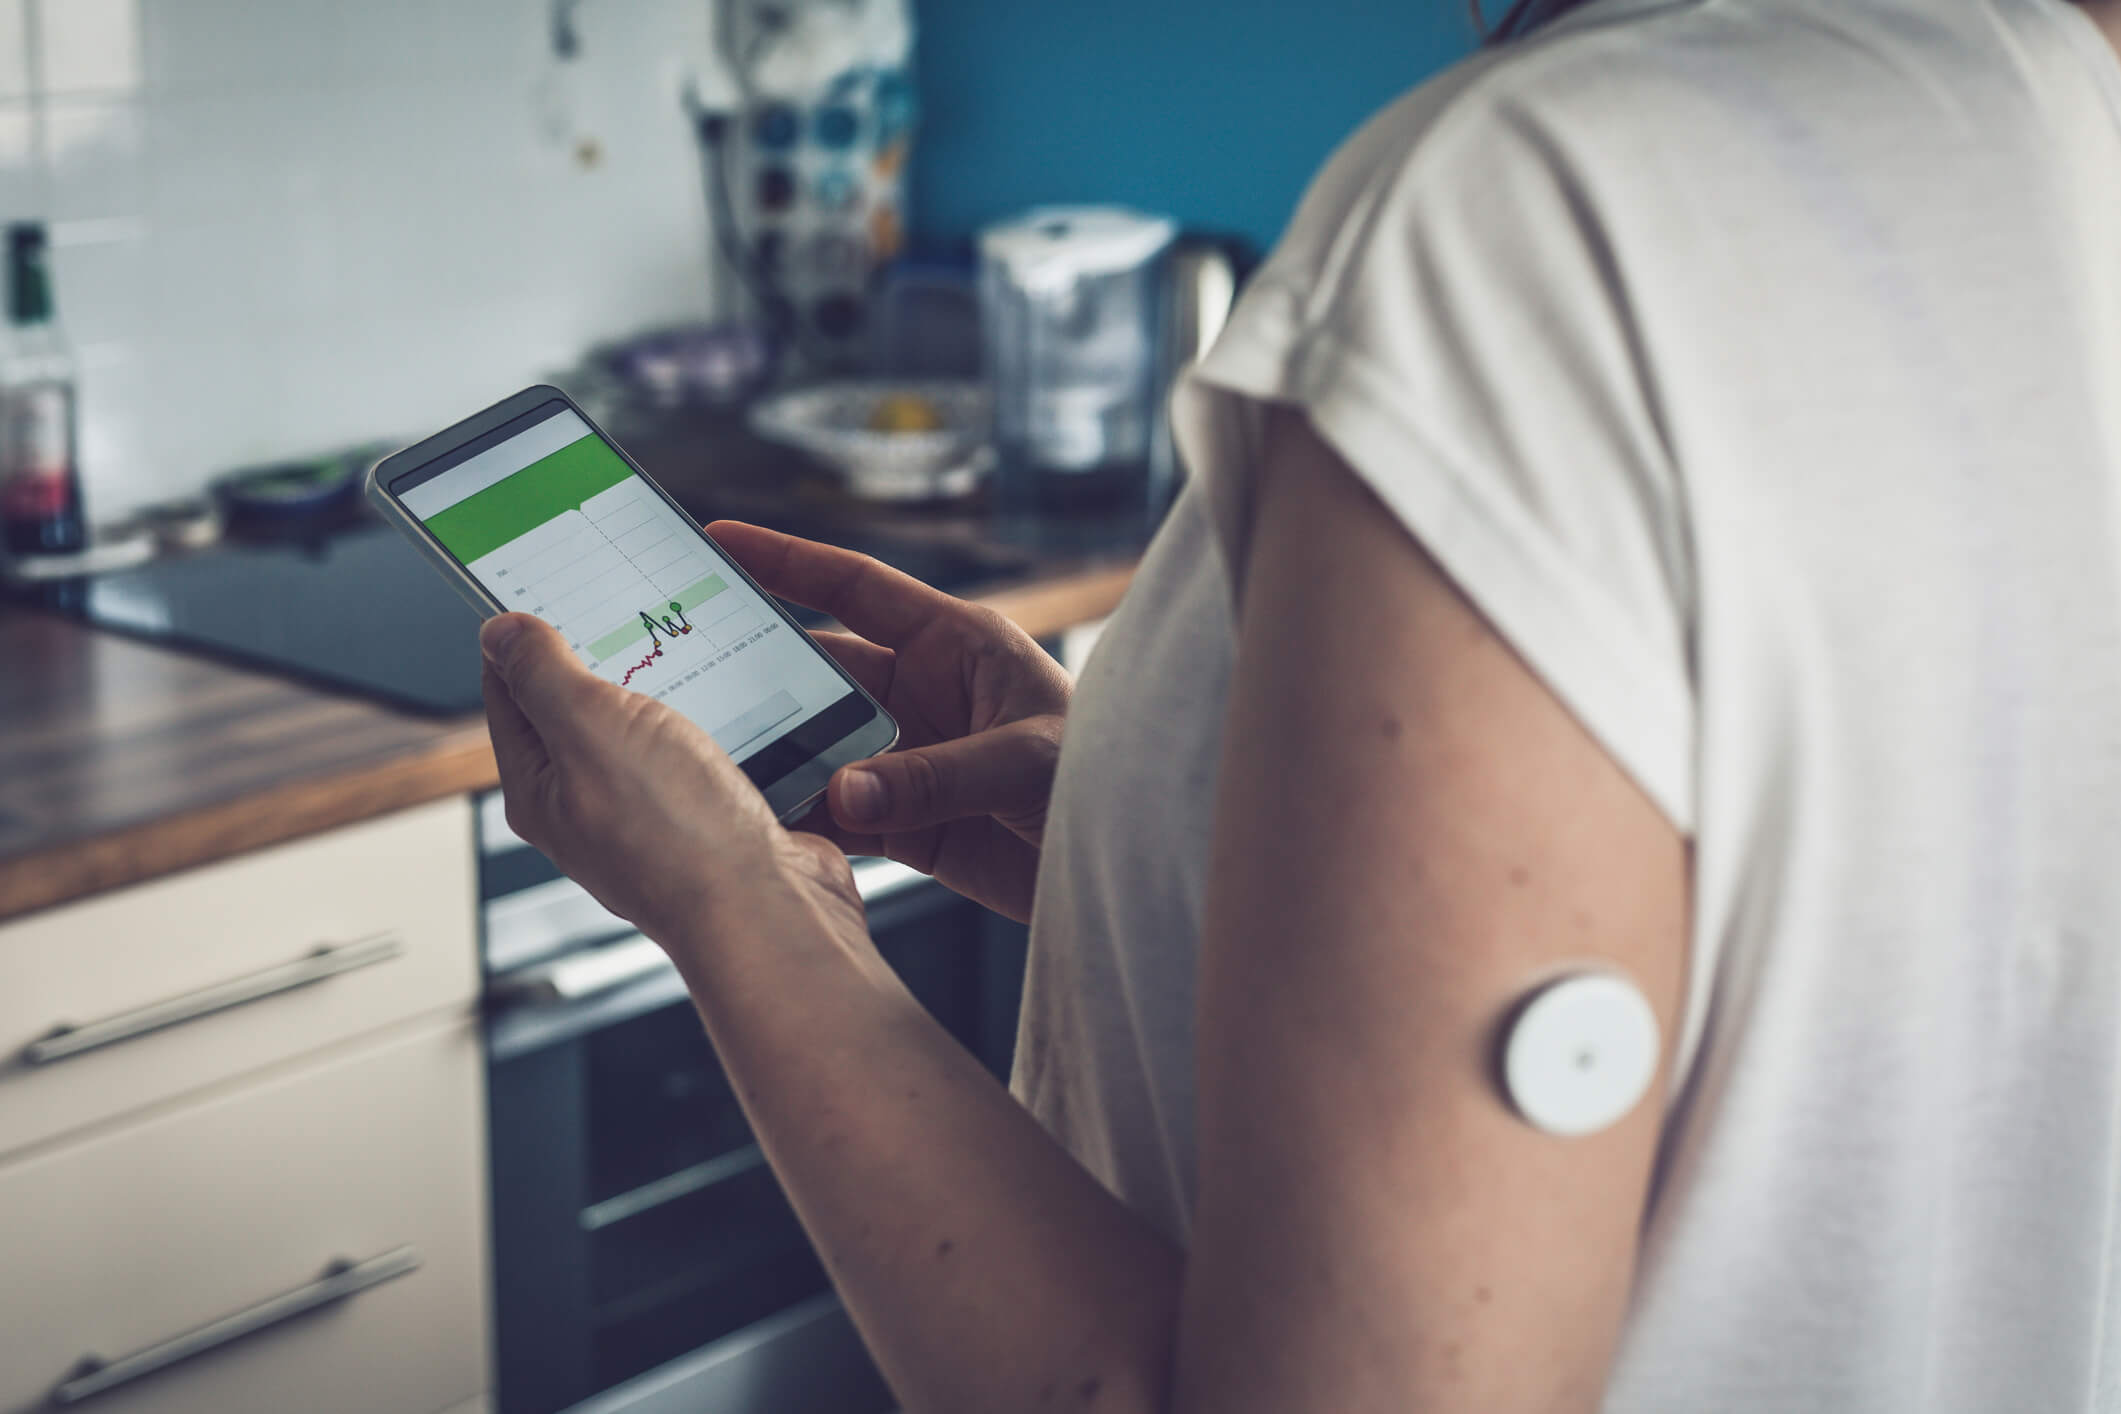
836,423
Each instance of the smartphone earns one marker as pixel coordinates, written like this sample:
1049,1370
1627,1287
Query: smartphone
529,506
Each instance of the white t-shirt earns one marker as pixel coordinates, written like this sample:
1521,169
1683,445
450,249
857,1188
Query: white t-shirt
1755,366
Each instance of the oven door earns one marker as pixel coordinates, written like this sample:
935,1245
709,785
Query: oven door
644,1255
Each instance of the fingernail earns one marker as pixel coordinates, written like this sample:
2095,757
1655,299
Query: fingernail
861,796
496,635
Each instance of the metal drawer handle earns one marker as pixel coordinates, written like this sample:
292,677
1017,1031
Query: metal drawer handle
592,972
340,1280
877,878
63,1040
683,1183
589,973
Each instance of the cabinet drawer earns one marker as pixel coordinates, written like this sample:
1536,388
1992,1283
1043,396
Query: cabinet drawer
132,1240
189,980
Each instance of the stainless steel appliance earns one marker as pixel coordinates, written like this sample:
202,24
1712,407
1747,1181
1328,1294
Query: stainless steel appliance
645,1258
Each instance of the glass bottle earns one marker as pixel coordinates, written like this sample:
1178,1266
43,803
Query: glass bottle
40,478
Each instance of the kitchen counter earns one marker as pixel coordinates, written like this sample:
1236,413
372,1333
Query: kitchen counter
122,762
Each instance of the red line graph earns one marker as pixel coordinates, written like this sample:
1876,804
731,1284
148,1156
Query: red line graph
657,653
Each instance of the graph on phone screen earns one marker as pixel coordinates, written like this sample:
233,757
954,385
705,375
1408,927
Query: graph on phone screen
553,522
628,588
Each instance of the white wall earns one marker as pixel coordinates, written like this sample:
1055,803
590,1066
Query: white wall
282,226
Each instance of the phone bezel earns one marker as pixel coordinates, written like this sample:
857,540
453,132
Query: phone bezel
791,794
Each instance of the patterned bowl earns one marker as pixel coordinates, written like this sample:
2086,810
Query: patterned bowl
831,421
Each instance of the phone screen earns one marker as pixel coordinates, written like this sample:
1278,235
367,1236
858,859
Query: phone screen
552,521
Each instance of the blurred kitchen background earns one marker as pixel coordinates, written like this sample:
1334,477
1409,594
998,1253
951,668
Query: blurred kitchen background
283,227
275,1135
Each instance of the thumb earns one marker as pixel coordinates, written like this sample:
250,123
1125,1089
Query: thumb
1004,772
550,686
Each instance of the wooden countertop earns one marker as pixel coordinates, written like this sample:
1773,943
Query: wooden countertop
121,762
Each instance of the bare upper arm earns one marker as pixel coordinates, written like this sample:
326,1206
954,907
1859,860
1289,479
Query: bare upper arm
1411,832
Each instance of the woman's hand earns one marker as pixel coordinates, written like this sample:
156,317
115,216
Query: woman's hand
979,707
637,803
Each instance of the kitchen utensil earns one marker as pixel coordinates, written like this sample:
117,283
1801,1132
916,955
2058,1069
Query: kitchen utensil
805,117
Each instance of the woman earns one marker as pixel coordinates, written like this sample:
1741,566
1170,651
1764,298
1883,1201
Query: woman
1659,510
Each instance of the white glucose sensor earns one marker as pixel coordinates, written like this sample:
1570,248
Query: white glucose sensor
1581,1053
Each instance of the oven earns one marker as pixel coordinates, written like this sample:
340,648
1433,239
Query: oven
645,1259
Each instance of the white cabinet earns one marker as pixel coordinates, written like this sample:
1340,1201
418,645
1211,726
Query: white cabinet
248,1181
140,1237
189,980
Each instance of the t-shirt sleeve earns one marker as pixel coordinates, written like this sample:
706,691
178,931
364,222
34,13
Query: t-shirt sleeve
1454,321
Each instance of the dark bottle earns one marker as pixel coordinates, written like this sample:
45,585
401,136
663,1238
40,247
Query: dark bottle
40,476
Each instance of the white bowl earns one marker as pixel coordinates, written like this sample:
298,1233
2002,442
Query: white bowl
831,422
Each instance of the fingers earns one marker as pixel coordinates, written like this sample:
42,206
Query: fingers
517,747
1007,772
870,597
547,685
867,663
819,822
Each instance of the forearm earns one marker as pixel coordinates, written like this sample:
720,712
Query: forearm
986,1269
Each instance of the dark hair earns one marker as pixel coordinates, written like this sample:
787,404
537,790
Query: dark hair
1520,19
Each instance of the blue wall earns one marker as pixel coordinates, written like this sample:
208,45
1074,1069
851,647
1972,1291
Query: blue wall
1213,111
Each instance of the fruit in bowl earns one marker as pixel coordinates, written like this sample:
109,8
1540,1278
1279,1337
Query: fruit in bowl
905,412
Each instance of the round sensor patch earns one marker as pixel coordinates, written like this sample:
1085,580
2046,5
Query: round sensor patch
1581,1053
